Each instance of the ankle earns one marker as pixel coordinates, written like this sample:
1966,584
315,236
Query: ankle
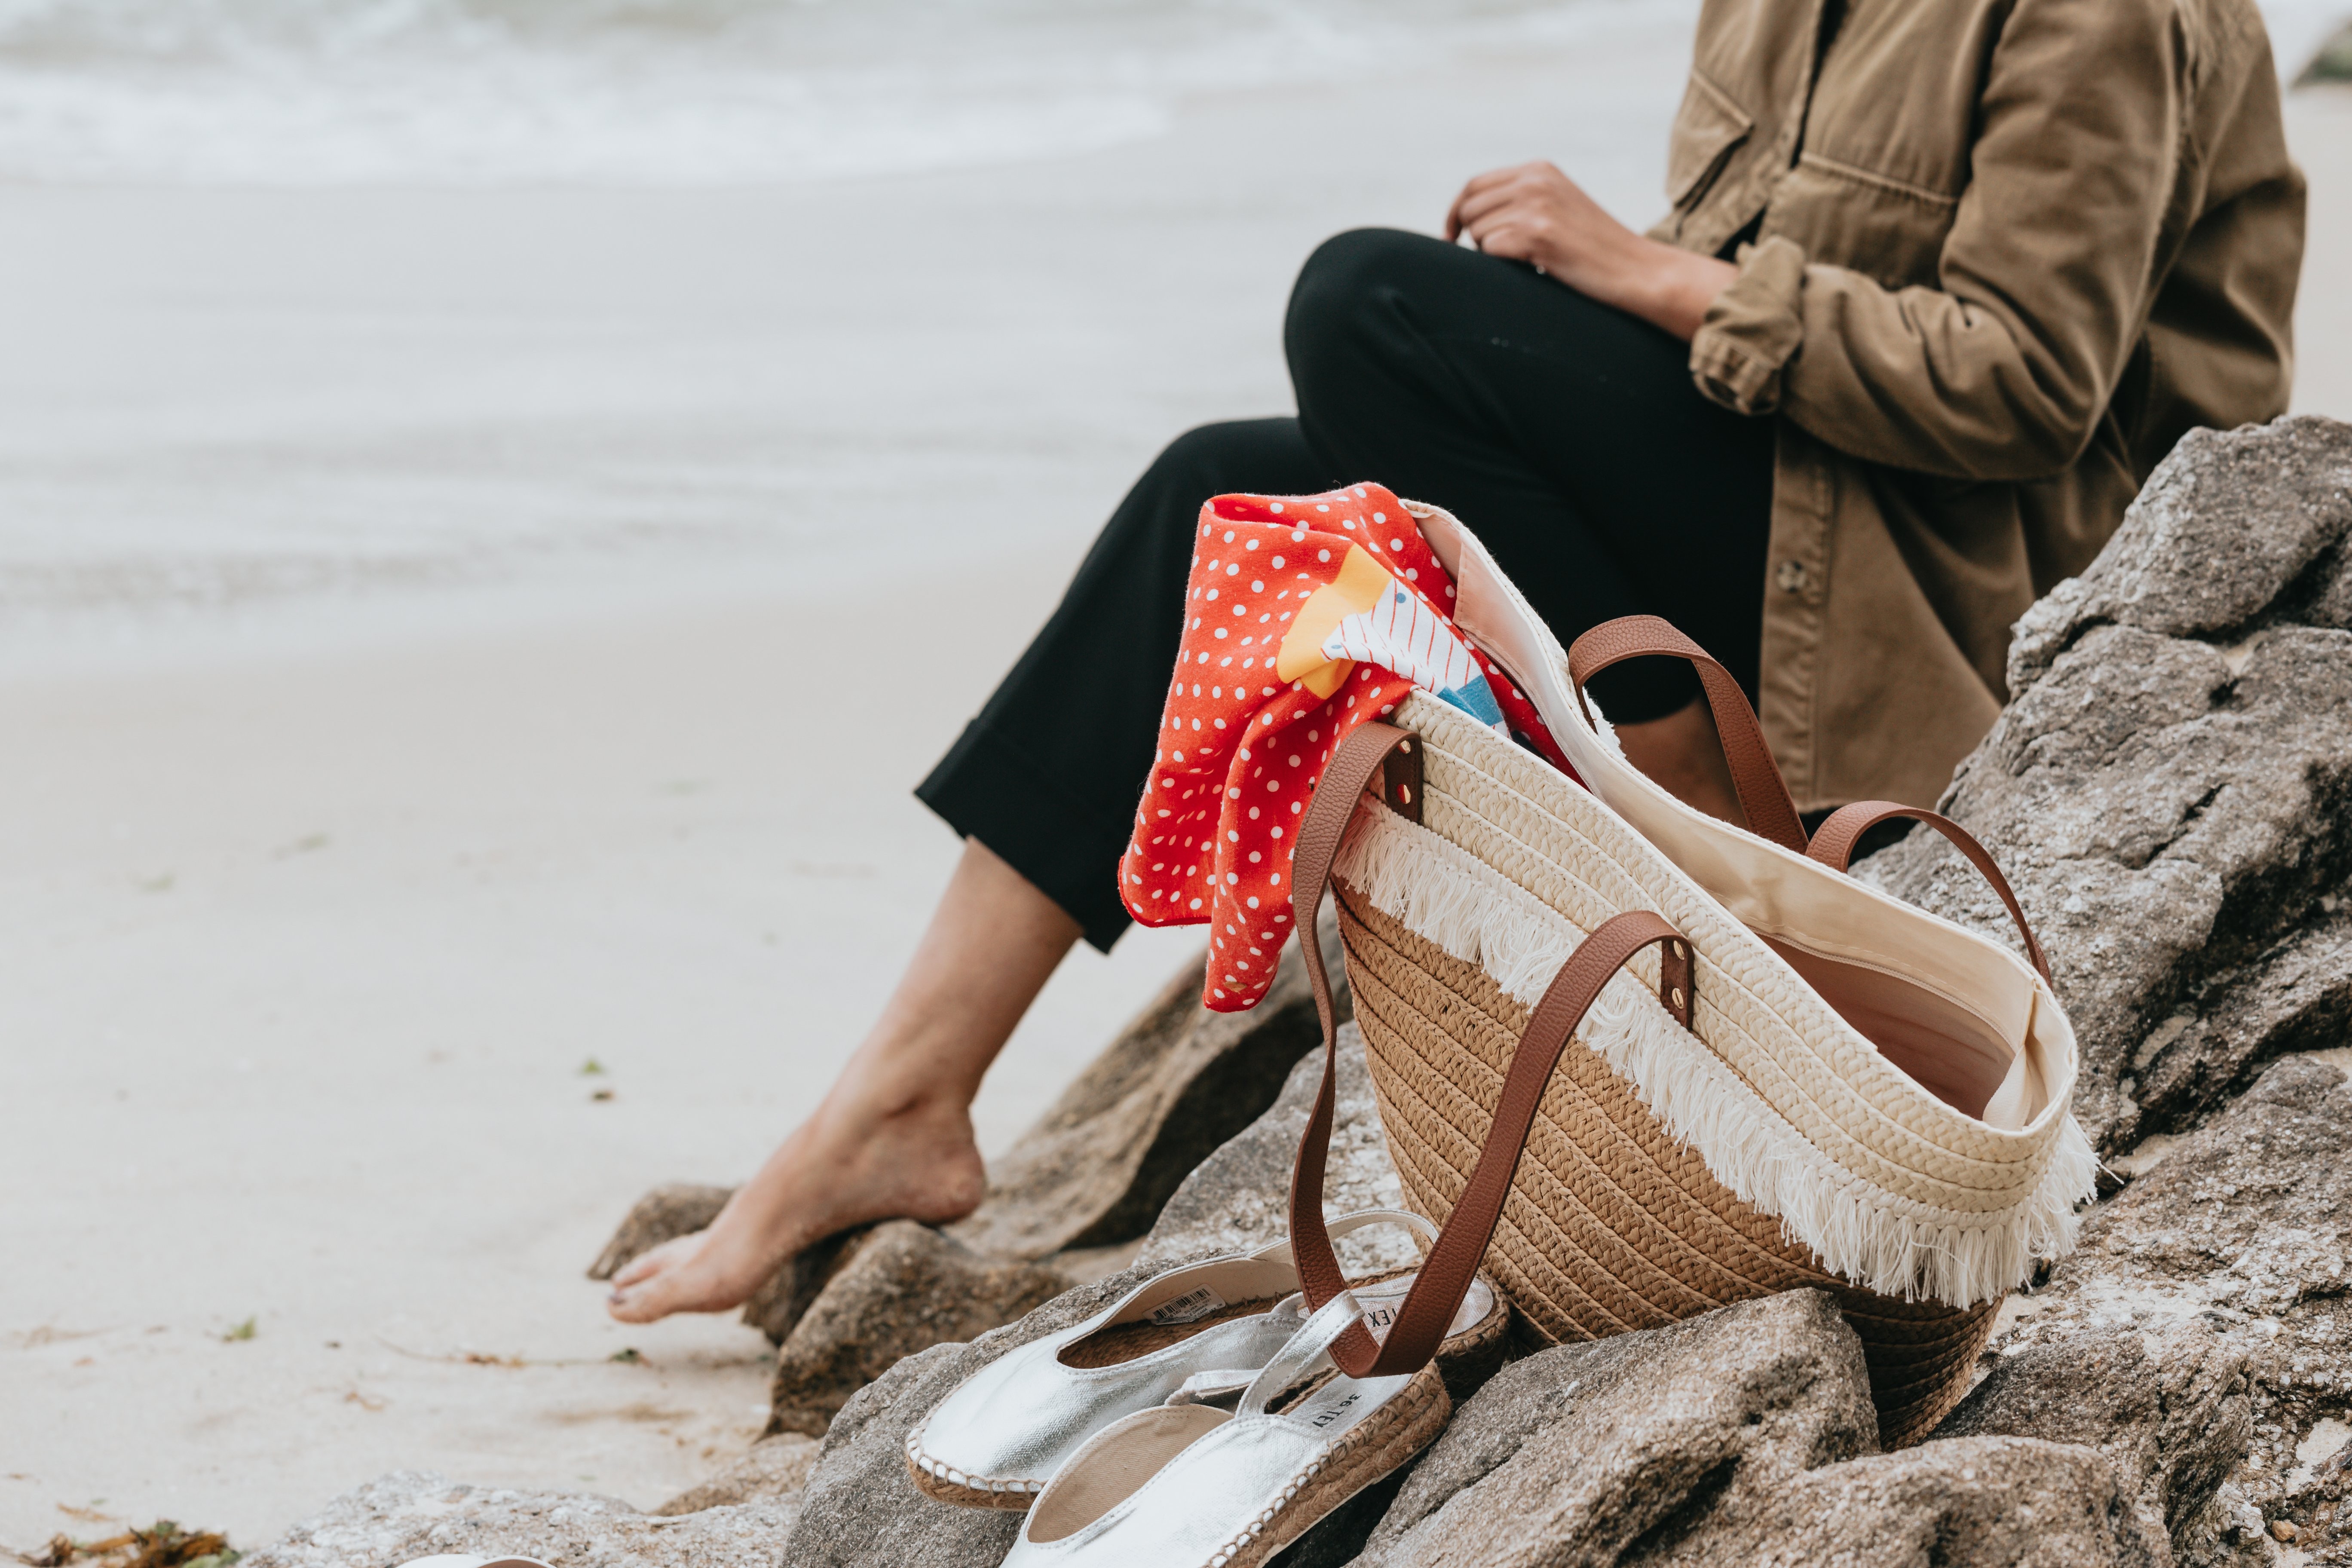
895,1082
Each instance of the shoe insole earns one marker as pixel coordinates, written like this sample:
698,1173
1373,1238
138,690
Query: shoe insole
1083,1493
1122,1342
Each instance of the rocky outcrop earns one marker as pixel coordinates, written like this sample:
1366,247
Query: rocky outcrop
776,1468
1593,1452
860,1510
1239,1198
2170,1405
2170,785
1977,1502
2226,1261
901,1288
412,1514
1744,1436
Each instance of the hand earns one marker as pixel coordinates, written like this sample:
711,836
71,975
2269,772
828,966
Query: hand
1535,214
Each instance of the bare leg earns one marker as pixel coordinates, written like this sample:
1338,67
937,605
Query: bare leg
1684,755
893,1136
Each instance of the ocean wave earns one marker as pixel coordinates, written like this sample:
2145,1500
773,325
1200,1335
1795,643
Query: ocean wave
657,91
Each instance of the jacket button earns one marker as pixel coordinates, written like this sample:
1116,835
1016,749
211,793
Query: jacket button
1792,576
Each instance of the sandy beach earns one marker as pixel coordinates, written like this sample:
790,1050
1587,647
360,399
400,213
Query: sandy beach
324,879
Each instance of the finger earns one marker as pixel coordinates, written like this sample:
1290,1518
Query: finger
1498,220
1483,204
1512,242
1474,190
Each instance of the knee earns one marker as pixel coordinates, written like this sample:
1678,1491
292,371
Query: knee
1199,451
1340,295
1244,455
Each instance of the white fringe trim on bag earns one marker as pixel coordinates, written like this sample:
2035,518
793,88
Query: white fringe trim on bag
1886,1241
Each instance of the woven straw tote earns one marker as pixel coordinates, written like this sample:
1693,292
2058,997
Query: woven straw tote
1867,1098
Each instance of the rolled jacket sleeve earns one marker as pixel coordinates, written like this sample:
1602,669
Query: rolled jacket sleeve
1752,328
2002,368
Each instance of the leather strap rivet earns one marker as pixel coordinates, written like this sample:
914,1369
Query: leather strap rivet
1404,748
1404,794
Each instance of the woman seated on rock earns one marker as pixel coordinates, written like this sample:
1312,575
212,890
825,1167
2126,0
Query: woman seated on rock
1940,285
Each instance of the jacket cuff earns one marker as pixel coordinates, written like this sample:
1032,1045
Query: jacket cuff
1752,329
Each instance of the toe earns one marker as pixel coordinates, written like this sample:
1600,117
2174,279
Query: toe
644,1303
658,1260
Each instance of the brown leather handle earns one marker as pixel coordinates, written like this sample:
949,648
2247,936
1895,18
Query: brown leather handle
1451,1265
1763,793
1833,845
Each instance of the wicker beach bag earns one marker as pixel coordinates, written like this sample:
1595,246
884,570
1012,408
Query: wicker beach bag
1867,1098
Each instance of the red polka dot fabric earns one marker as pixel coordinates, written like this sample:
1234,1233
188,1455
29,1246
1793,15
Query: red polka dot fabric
1281,590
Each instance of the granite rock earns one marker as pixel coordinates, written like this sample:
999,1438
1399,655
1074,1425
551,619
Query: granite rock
1173,1087
899,1289
1602,1452
2227,1532
777,1307
2237,1237
412,1514
1239,1198
2170,785
775,1468
2170,1406
1969,1503
1744,1436
859,1510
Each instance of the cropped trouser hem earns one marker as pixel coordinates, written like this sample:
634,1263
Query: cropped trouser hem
988,788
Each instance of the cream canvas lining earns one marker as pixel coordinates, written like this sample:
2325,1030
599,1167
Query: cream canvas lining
1943,1005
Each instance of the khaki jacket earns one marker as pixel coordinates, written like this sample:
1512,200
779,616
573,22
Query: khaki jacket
2010,252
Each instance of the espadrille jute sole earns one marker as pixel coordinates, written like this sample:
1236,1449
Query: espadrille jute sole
1374,1449
1014,1495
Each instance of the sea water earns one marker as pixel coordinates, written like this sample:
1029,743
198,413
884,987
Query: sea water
651,93
321,306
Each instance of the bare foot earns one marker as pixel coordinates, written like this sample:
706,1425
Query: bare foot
893,1139
847,1166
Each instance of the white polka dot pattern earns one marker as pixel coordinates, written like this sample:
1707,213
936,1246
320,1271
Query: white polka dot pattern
1241,746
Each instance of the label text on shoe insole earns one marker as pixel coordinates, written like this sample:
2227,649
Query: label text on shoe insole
1189,1308
1344,1401
1380,1302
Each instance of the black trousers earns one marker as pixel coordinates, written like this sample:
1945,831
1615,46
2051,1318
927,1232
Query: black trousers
1567,435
